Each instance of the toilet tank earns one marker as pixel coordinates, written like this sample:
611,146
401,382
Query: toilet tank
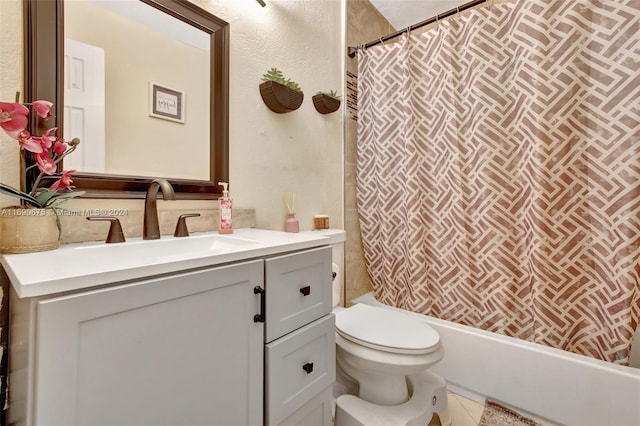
337,238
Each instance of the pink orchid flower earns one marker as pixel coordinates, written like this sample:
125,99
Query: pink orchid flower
42,108
64,182
13,118
47,140
29,143
45,163
59,147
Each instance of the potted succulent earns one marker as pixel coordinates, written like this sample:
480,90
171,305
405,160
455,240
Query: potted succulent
31,226
279,93
326,102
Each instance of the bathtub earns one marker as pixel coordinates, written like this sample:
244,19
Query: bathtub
534,379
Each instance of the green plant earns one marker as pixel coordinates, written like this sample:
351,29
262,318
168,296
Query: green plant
332,94
274,74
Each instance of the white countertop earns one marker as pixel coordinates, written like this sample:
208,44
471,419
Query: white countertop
83,265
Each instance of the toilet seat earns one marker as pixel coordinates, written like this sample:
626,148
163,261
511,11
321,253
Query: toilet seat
385,330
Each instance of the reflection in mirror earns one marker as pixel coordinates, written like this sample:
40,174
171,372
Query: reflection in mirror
145,88
144,114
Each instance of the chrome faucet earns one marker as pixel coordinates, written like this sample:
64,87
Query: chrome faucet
150,226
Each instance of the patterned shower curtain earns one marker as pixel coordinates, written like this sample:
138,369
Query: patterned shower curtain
498,178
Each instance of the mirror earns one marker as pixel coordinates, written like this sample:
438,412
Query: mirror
156,113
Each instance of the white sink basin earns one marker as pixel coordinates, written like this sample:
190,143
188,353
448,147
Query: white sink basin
86,265
167,248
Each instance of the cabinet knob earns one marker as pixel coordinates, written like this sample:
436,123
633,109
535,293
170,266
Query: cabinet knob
308,367
305,290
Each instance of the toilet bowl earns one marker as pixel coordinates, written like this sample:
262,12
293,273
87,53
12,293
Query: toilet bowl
386,354
379,348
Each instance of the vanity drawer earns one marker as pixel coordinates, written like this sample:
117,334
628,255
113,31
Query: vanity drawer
299,366
298,290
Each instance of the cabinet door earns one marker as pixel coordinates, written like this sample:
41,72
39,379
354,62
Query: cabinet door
176,350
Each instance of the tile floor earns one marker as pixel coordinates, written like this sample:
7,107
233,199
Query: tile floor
464,411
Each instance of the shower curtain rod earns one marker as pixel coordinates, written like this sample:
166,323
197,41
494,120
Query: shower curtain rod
352,50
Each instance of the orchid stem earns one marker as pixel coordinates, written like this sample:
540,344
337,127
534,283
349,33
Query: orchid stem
35,184
56,161
23,180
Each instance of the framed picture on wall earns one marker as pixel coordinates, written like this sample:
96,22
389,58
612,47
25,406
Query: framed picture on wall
166,103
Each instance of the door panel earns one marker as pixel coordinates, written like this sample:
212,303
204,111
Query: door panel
176,350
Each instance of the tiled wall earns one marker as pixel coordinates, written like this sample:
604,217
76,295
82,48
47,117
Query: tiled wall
364,23
130,213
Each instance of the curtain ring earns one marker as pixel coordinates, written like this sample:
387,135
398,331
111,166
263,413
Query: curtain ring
381,42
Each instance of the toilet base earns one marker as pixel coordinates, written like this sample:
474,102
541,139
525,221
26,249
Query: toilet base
428,396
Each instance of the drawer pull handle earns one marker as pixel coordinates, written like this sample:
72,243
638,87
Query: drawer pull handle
308,367
259,317
306,290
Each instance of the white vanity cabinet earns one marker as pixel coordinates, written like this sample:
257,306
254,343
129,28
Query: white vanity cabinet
300,339
177,350
201,331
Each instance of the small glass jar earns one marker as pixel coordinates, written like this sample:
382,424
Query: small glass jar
291,224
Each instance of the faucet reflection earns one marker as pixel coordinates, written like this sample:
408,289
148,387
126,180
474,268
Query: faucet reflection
150,226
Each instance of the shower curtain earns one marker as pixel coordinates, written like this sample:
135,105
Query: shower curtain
498,172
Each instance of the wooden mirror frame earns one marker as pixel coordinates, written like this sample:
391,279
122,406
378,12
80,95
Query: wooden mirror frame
44,79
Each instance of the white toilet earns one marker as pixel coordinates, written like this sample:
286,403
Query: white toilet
385,354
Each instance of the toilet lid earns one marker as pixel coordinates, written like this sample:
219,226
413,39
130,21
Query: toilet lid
386,330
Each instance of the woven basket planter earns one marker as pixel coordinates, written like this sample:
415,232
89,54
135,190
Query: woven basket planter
325,104
25,230
279,98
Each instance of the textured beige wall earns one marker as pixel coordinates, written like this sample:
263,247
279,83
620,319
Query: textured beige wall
301,151
364,23
10,81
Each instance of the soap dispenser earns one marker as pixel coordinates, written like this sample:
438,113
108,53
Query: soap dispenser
226,211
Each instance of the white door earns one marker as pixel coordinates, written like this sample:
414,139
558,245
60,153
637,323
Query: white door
177,350
84,105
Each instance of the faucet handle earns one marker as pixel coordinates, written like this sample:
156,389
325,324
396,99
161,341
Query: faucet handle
115,234
181,226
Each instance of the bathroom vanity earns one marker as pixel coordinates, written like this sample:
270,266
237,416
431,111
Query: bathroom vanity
208,329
